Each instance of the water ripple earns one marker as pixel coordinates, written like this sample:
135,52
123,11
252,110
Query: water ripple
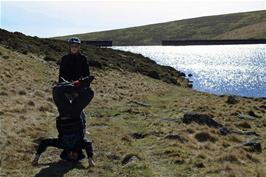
220,69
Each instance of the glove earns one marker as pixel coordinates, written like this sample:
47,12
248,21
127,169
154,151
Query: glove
77,83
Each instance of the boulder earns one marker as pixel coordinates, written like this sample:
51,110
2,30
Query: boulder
129,158
176,137
263,107
138,135
199,165
253,146
224,131
200,118
244,125
232,100
253,114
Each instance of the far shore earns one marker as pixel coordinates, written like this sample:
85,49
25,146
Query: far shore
213,42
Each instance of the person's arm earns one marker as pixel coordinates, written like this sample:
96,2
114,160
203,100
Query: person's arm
88,148
85,67
62,70
89,151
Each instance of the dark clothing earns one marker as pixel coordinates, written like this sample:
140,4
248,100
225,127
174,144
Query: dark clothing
70,125
73,66
58,143
71,120
72,109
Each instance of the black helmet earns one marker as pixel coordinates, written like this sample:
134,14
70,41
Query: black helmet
74,40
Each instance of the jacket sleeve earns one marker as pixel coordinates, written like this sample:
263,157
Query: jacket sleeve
47,142
85,67
62,70
88,148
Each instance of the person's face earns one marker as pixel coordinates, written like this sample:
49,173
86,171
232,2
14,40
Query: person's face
74,48
72,155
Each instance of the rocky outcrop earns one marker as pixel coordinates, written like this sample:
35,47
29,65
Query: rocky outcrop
130,158
253,146
200,118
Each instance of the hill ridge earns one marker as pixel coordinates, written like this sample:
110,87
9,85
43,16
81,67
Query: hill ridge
207,27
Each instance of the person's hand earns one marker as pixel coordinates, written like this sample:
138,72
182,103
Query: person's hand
91,163
35,160
77,83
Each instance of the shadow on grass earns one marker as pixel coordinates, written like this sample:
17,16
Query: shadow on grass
58,169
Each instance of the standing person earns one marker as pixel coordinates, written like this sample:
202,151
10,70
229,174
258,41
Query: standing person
73,67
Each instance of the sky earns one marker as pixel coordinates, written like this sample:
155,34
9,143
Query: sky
57,18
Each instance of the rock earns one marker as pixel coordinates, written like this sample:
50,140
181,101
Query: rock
189,85
246,117
199,165
179,161
224,131
232,100
200,119
253,114
154,74
190,75
244,125
22,92
204,136
129,158
263,107
181,74
253,146
138,135
176,137
31,103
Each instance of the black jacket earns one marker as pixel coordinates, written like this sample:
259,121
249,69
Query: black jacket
73,67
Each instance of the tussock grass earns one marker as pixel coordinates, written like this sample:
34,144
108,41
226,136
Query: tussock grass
126,104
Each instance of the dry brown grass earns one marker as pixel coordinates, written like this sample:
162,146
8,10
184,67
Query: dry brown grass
125,103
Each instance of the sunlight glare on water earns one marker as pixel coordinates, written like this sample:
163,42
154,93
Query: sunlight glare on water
218,69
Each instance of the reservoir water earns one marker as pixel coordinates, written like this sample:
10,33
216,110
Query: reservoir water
219,69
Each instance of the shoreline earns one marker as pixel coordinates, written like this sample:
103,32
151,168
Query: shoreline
212,42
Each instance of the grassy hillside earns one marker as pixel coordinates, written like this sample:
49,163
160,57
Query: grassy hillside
132,116
52,50
249,25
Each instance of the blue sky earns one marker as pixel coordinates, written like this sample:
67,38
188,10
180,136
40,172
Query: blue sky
55,18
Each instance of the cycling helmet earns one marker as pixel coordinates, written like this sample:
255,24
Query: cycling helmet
74,40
